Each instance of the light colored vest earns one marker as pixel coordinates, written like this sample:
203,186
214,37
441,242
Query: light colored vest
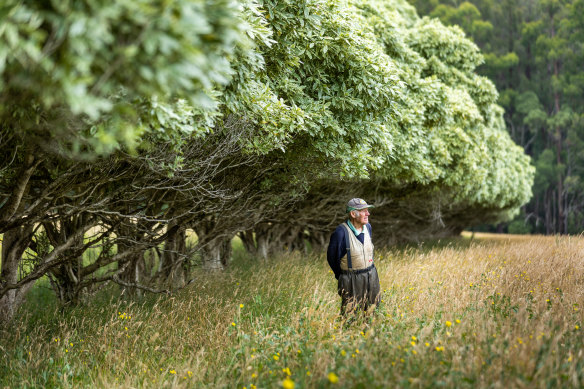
361,253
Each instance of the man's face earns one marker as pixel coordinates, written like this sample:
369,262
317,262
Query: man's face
362,216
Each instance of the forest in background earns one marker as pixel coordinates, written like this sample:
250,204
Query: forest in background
534,51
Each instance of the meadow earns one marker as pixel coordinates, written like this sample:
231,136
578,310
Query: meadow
487,312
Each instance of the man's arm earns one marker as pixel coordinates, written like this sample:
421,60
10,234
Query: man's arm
368,225
336,250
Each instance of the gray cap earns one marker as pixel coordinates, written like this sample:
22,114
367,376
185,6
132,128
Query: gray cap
357,204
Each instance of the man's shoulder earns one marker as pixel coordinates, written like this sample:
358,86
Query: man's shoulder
339,231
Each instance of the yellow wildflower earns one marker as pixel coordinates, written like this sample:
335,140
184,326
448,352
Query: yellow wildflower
333,378
288,383
448,323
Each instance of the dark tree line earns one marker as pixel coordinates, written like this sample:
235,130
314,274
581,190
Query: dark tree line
534,53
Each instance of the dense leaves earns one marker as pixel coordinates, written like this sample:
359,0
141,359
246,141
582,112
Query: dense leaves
533,52
65,65
258,118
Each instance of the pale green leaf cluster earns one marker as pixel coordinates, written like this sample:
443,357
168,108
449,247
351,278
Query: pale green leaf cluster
65,65
376,89
324,88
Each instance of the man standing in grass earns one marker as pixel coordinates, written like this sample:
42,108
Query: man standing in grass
350,256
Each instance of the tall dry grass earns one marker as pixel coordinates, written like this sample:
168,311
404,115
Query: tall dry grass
493,313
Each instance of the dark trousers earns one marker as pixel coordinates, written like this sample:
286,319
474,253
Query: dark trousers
358,290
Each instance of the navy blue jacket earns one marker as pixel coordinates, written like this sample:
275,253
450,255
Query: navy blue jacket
337,248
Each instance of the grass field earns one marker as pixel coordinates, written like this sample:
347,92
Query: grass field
490,312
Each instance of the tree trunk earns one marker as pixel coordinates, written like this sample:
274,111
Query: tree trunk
270,239
173,260
215,253
134,270
65,278
249,242
558,139
19,189
318,241
214,246
263,245
14,243
134,265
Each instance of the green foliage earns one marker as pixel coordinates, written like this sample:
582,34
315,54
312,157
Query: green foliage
534,53
218,115
519,227
354,88
66,66
388,93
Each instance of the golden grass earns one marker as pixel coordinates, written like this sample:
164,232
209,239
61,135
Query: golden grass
495,313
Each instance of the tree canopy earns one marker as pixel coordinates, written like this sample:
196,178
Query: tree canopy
533,52
124,125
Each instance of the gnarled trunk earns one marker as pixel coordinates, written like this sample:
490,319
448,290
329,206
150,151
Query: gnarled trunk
173,260
214,247
14,243
216,253
132,267
65,278
248,241
269,238
318,241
